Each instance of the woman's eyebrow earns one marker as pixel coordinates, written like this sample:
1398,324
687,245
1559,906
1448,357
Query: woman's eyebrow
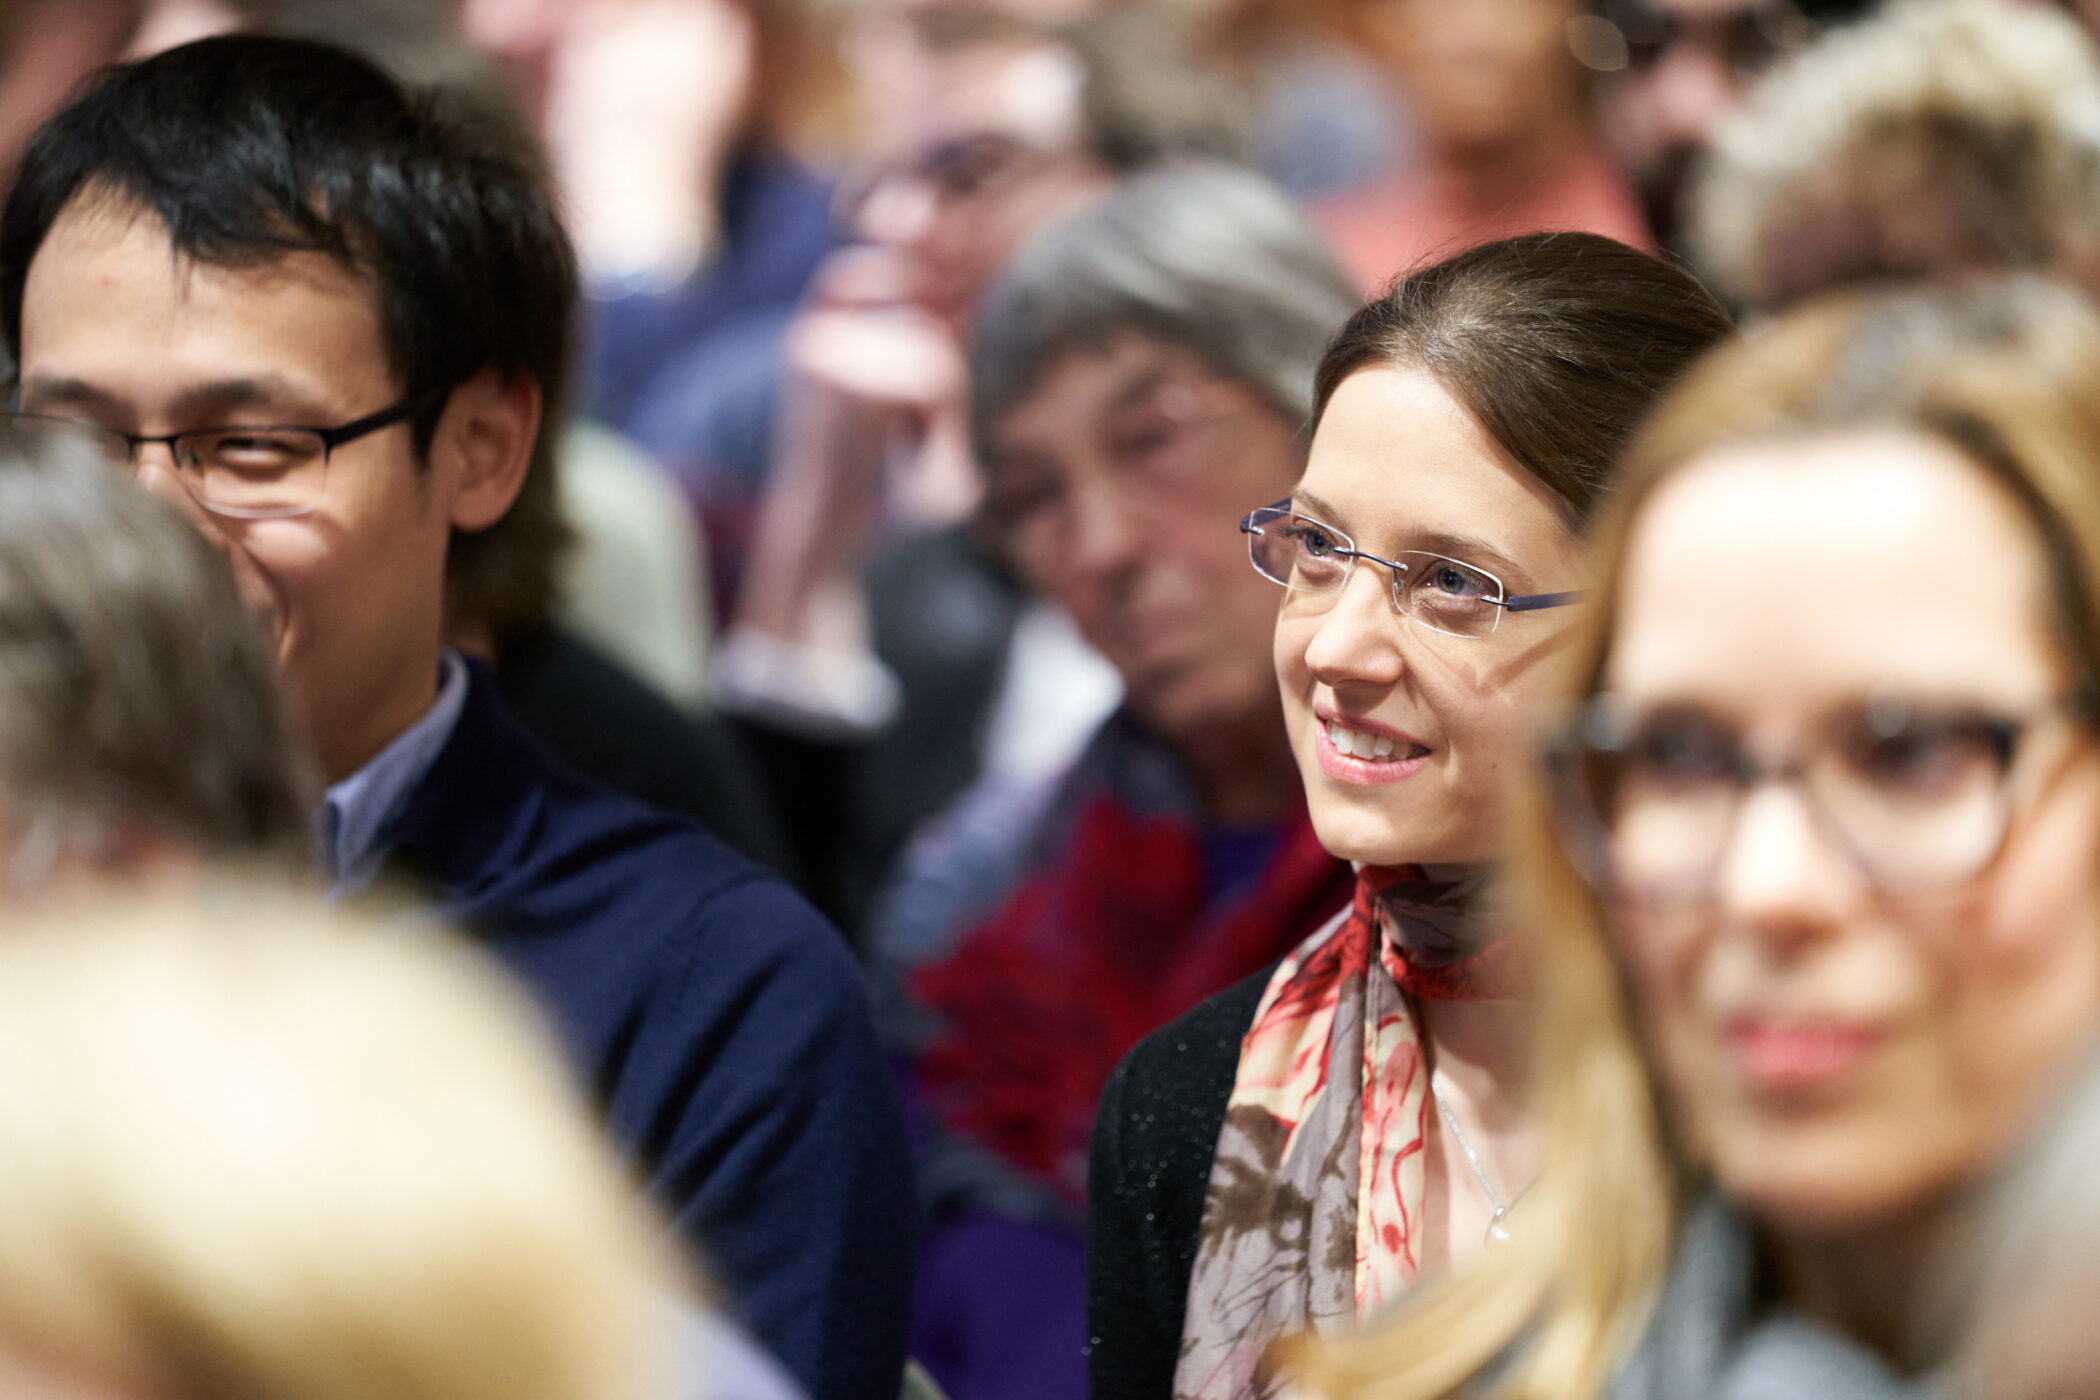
1466,549
1310,504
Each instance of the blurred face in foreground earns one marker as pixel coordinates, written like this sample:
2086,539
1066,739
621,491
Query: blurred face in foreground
1117,486
1853,827
1404,731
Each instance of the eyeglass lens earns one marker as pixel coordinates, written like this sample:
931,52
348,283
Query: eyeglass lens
1917,798
1304,555
254,473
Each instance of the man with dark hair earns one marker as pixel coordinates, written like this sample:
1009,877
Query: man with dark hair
329,319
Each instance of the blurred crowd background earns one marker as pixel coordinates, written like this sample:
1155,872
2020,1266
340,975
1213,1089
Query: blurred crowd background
772,585
776,568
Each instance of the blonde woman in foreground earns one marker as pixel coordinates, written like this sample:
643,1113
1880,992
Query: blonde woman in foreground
1820,868
255,1149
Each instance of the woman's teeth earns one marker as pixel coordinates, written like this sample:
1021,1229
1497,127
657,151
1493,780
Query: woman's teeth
1373,748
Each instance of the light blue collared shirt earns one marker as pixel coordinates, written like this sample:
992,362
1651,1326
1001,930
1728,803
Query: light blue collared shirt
355,824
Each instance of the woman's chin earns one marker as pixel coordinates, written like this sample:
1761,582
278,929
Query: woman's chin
1364,839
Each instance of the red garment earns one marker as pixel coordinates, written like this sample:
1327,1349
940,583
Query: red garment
1421,215
1107,941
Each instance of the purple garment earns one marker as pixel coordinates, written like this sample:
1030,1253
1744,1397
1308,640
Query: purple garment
1001,1310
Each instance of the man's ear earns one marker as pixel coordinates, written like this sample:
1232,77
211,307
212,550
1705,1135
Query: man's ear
484,445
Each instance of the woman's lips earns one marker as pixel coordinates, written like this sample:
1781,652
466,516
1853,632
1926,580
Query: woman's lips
1783,1055
1374,754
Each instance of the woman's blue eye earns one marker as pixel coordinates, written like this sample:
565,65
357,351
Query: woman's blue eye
1453,581
1318,543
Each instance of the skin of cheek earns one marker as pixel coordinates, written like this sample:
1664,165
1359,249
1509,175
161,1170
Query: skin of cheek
1481,699
1222,676
1198,569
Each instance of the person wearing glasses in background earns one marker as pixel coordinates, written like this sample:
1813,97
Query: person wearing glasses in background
1138,375
1670,72
1817,930
1294,1152
325,320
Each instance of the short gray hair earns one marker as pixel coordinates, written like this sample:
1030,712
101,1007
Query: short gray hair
135,689
1203,256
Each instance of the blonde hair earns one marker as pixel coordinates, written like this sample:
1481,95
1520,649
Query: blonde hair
2005,370
1943,135
251,1148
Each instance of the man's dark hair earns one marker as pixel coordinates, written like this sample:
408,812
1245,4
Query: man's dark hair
252,148
1559,343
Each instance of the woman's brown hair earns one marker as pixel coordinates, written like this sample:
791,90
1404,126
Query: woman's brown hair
1558,343
2004,371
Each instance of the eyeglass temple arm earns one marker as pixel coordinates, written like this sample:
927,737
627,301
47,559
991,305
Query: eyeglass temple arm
1532,602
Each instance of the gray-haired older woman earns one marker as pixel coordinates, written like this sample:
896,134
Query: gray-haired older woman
1139,378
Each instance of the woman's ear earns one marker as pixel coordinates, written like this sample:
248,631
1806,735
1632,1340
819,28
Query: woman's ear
484,445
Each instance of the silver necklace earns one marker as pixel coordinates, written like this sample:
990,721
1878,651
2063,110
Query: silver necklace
1497,1232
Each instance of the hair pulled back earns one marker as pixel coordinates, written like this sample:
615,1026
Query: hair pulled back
1558,343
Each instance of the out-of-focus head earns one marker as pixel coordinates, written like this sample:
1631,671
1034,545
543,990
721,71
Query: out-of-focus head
1671,71
985,129
139,718
1139,376
1466,423
248,232
1486,75
258,1149
1938,138
1836,775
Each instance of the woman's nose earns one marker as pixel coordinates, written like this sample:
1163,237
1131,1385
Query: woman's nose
1782,874
1357,640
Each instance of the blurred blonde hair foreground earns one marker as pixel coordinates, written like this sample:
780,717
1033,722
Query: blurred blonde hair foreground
251,1147
2003,369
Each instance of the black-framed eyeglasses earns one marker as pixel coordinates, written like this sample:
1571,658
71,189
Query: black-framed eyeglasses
1918,793
248,473
1445,595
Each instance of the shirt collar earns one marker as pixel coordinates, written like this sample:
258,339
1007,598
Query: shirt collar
357,816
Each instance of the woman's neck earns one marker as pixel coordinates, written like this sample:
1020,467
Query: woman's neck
1478,1048
1876,1284
1477,1058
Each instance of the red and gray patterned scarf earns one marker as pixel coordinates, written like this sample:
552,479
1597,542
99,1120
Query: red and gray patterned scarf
1315,1204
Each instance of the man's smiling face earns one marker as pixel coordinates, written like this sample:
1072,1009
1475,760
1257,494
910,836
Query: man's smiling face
121,329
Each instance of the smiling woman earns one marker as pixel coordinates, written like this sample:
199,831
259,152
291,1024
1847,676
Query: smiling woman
1465,424
1817,879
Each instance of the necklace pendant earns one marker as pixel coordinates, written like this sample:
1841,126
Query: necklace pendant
1497,1232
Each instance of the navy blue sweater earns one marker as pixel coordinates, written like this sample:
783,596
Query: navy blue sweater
722,1025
